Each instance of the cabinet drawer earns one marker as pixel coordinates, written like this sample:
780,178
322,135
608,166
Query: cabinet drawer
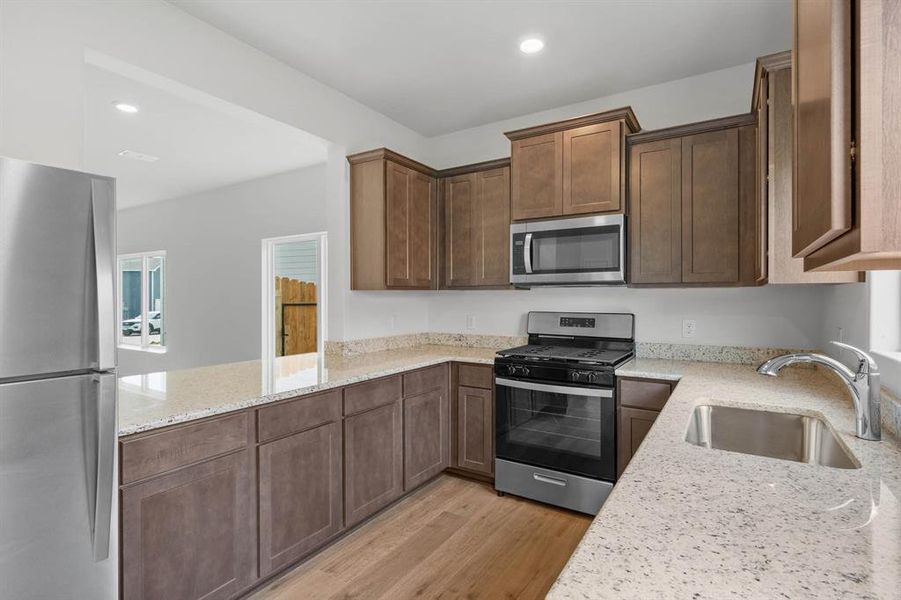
365,396
648,395
161,452
303,413
425,380
477,376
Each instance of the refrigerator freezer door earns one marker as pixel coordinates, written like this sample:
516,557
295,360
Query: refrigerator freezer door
58,506
57,284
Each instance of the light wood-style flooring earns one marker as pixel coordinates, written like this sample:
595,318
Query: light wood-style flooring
454,538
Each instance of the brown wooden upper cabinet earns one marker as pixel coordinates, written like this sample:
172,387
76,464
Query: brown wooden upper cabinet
846,72
692,194
477,225
393,215
772,104
571,167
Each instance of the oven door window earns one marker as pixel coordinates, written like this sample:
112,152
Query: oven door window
583,250
568,432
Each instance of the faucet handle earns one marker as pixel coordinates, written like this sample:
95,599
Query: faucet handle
867,365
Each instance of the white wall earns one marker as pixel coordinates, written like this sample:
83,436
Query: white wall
778,316
708,96
773,316
214,263
44,47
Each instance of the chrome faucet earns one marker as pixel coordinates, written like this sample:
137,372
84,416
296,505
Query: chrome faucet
863,384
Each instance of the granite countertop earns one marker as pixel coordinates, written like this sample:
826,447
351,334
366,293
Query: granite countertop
156,400
689,522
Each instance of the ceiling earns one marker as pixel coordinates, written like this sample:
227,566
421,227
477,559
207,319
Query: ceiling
442,66
199,147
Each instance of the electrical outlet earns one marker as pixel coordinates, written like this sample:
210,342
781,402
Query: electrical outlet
689,328
840,335
392,322
470,322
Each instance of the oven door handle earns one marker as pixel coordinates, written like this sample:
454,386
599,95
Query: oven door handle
554,389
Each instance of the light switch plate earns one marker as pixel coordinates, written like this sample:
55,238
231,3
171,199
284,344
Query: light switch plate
470,322
689,328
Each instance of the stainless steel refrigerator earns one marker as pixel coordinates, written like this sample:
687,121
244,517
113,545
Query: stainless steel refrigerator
58,505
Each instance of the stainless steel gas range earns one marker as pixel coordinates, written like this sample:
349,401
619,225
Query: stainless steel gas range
555,423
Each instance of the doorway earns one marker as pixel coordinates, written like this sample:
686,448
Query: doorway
294,295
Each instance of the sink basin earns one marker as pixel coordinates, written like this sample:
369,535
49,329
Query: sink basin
787,436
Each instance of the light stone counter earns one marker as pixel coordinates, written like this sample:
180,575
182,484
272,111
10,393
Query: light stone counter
688,522
159,399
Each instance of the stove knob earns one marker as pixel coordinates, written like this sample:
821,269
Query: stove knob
524,371
511,370
591,377
576,375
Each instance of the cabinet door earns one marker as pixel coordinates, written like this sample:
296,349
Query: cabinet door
537,170
373,461
634,424
492,225
710,199
426,430
655,204
762,174
300,494
190,534
460,229
591,169
475,430
410,204
821,67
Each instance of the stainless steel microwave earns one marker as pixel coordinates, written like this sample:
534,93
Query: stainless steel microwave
573,251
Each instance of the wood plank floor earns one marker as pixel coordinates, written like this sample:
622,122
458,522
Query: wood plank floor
454,538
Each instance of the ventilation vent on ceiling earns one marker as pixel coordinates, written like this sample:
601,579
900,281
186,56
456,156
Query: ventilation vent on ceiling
139,156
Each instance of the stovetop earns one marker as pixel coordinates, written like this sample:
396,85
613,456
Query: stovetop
608,356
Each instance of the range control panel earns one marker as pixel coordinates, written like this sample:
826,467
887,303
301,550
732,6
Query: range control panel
583,322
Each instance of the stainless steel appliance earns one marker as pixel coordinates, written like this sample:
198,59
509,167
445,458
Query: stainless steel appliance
555,411
58,513
574,251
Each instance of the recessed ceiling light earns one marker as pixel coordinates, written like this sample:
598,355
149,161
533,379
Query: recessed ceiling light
531,46
126,107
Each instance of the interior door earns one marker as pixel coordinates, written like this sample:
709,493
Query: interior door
57,230
58,510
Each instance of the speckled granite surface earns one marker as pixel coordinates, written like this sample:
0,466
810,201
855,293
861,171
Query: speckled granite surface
396,342
159,399
707,353
688,522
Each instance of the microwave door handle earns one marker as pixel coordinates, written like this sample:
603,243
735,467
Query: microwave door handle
527,253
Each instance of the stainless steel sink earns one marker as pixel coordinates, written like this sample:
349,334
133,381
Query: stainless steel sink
787,436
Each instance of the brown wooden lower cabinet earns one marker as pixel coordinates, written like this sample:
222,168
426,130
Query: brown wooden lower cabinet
190,534
300,494
373,461
639,401
475,430
426,432
305,470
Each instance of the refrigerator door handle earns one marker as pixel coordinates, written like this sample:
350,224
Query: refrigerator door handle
106,464
103,215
